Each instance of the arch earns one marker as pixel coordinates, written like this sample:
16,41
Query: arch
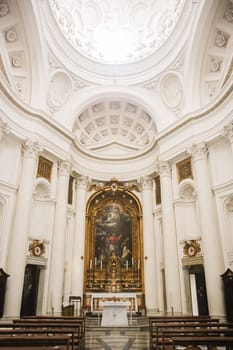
87,96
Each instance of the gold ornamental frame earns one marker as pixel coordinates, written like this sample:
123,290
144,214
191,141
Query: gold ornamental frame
113,226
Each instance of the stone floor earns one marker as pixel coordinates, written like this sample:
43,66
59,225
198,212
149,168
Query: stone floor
134,337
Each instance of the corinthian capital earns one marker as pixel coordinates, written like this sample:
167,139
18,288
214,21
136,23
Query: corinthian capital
146,182
82,182
64,168
228,131
163,168
198,150
4,129
31,148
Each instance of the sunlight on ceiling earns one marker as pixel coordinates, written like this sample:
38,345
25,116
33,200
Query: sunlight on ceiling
116,31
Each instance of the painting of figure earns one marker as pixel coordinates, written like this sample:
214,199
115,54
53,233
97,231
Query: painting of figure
113,233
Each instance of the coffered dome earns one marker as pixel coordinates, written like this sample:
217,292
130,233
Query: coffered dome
114,126
116,31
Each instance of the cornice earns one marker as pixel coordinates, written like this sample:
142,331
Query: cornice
13,100
29,112
222,188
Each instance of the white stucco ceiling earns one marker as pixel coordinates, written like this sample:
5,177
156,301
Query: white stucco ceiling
116,31
126,105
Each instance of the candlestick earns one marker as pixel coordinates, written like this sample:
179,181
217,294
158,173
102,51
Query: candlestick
90,264
101,264
127,264
138,264
95,261
132,261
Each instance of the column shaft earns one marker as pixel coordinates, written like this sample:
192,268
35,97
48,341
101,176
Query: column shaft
58,244
171,261
159,262
79,237
211,245
19,239
149,246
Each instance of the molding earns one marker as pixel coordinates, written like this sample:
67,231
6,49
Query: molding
226,186
5,185
41,261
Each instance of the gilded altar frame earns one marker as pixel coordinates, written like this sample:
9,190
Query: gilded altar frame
113,225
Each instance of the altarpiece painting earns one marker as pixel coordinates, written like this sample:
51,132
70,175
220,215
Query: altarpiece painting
113,239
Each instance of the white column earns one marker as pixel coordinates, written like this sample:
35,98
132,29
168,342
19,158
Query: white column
211,243
228,133
18,246
171,260
79,236
59,232
149,245
159,261
4,129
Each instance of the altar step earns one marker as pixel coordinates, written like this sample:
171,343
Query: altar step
132,322
132,337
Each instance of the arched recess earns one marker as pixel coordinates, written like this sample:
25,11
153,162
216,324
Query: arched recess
87,96
114,227
42,211
186,211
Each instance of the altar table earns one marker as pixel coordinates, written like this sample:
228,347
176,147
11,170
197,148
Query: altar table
114,313
98,298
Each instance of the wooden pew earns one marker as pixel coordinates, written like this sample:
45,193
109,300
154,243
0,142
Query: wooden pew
160,322
203,340
166,335
164,332
22,341
59,319
178,319
155,331
39,331
50,327
78,323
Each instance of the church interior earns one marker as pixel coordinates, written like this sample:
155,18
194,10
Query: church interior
116,157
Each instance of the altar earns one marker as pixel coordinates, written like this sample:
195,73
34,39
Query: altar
114,313
97,300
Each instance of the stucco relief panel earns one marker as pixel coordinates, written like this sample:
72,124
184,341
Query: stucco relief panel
171,89
60,88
